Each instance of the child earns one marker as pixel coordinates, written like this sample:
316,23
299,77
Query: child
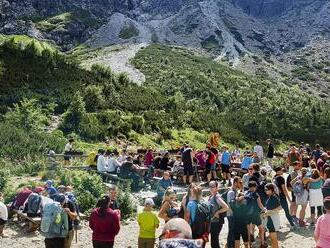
322,231
148,223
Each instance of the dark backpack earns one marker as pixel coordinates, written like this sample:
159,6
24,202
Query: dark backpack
33,204
201,225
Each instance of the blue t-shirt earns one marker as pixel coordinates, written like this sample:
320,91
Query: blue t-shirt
246,163
51,190
225,158
192,208
164,184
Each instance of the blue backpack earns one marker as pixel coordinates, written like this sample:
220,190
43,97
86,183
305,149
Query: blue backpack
33,204
54,222
298,188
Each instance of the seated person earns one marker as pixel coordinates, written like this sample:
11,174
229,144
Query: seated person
156,161
177,233
164,162
127,171
112,163
163,184
50,189
3,216
101,163
247,161
33,205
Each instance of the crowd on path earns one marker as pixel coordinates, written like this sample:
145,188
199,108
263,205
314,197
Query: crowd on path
249,202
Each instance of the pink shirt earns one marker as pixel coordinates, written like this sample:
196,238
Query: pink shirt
322,231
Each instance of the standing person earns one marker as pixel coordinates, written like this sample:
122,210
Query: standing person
254,208
164,162
67,150
186,198
3,216
148,158
218,207
148,223
225,165
210,164
270,152
315,195
231,197
259,150
246,178
326,184
283,193
104,223
322,230
273,206
163,184
293,156
317,153
169,208
113,190
187,160
292,176
246,161
321,161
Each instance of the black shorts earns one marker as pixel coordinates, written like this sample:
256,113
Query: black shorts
293,197
240,230
2,222
225,168
270,225
188,170
255,219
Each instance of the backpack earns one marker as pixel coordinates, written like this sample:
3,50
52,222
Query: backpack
201,225
33,204
298,188
54,222
215,205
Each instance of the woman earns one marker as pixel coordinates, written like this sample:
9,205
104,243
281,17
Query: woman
105,224
186,198
315,195
219,207
271,215
169,208
322,231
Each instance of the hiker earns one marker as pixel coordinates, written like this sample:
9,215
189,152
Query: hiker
279,181
321,162
247,160
254,208
3,216
273,206
299,188
293,156
169,208
67,150
54,223
231,197
198,215
185,199
127,171
219,207
101,164
225,165
187,160
50,189
148,158
326,184
164,162
33,205
317,153
148,223
19,200
104,223
177,233
246,178
315,195
112,163
210,165
322,230
259,151
270,152
163,184
113,197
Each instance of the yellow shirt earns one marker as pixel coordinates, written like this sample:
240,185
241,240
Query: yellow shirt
148,222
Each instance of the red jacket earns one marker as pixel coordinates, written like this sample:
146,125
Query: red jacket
104,228
21,198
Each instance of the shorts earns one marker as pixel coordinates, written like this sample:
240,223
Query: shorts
2,222
255,219
270,225
208,168
225,168
240,230
188,170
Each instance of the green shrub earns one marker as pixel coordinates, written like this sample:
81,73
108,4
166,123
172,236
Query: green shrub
125,200
4,177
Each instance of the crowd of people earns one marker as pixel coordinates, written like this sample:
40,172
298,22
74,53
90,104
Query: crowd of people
248,203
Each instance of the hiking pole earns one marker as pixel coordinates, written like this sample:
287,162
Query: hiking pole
76,231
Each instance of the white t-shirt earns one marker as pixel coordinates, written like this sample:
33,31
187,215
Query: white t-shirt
68,147
3,211
259,150
101,163
112,164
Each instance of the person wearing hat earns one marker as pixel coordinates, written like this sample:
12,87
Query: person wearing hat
322,230
148,223
283,193
50,189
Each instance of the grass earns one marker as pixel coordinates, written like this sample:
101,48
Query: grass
55,22
128,32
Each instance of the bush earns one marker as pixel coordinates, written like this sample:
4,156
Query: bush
125,201
4,177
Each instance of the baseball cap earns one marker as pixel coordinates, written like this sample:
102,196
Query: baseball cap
149,202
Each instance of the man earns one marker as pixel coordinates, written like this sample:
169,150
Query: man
113,197
70,209
283,193
68,149
112,163
3,216
259,150
50,189
321,162
225,165
101,162
187,160
293,156
231,196
316,154
270,152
